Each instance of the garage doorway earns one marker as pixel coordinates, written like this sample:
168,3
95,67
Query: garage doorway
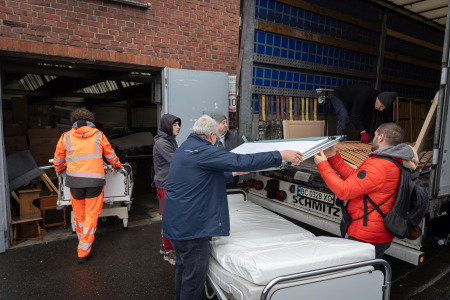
40,94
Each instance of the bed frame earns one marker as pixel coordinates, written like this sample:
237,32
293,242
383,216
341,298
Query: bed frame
358,280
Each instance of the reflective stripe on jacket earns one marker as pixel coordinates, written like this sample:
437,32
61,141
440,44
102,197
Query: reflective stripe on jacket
81,150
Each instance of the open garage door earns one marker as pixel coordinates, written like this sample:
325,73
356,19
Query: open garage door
37,97
188,94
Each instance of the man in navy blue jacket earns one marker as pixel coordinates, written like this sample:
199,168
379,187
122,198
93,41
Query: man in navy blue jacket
196,206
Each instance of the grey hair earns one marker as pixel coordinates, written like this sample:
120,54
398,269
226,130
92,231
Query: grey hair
205,126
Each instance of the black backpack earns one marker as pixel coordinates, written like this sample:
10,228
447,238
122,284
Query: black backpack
409,207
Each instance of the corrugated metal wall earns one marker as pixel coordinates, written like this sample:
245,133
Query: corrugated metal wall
300,46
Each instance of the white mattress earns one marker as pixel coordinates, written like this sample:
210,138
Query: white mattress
263,245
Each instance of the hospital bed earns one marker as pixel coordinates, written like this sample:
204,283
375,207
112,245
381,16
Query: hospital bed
117,197
268,257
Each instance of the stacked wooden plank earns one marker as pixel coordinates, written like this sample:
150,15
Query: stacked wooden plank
355,153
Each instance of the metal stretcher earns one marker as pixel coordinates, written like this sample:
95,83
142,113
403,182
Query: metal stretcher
117,197
261,263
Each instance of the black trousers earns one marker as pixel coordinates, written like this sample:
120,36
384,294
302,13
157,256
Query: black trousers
379,248
191,267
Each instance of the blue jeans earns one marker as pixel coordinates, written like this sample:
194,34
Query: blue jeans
192,265
342,114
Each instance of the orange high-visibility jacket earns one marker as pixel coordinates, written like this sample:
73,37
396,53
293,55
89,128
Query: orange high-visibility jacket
80,152
379,178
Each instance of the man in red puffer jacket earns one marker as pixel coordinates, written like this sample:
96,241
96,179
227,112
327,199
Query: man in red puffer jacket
378,178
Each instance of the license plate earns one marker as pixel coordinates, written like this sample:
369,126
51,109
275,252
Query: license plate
316,195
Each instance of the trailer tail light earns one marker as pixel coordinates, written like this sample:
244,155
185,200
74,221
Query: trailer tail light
251,183
415,235
281,195
259,185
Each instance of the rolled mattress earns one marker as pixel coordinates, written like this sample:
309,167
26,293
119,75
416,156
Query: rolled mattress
262,245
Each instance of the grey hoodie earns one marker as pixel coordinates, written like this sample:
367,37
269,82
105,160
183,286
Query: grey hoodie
163,150
402,151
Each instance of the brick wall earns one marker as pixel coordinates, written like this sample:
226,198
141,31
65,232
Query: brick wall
188,34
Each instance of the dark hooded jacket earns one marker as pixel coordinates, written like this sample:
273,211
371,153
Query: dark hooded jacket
232,140
360,103
163,150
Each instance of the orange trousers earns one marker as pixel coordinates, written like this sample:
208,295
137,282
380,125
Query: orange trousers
86,212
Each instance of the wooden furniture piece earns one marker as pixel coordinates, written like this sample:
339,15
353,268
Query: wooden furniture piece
49,203
26,198
29,219
427,126
410,114
49,183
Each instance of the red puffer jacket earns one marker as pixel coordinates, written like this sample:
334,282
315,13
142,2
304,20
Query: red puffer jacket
379,178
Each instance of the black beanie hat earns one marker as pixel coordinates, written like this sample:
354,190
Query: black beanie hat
387,98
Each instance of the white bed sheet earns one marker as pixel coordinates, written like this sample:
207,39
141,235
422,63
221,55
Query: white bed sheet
263,245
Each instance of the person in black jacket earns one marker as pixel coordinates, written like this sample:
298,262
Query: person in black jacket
359,103
226,139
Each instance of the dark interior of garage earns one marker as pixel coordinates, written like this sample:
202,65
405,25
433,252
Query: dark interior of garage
37,99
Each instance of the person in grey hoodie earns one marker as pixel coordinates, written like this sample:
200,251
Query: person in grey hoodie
163,150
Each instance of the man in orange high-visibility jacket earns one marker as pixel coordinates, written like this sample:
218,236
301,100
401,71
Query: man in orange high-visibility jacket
79,153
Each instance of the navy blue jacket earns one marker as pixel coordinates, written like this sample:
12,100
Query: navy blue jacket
195,204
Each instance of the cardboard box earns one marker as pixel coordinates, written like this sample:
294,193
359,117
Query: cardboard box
44,133
37,110
14,129
302,129
15,143
43,160
19,107
44,141
7,116
43,149
40,121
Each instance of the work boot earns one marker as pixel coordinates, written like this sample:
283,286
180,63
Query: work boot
171,257
82,260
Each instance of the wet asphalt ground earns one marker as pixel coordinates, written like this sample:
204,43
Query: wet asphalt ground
126,264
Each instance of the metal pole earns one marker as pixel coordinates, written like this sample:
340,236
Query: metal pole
4,186
246,72
381,52
299,276
439,130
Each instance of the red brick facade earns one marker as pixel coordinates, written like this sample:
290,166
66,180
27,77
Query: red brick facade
188,34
